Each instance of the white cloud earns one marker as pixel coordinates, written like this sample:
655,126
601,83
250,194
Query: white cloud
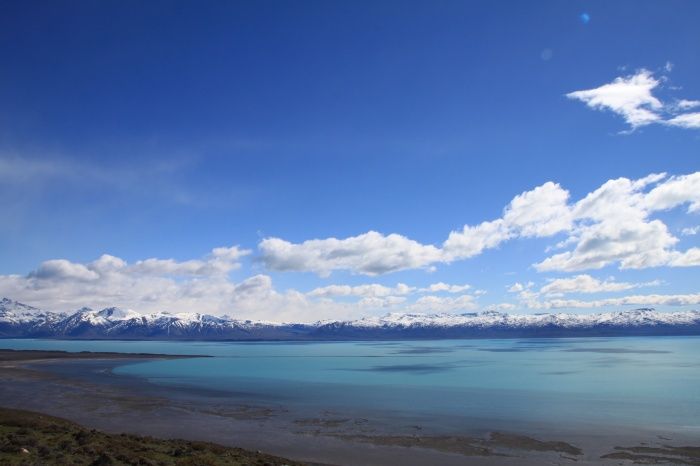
375,290
674,192
61,269
542,211
379,297
200,285
632,98
372,302
550,295
686,120
431,304
502,307
685,104
371,253
636,300
633,245
587,284
444,287
629,96
689,258
690,231
204,285
518,287
219,261
371,290
614,225
473,240
610,225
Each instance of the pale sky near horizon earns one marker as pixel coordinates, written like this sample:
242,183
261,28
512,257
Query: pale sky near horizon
330,160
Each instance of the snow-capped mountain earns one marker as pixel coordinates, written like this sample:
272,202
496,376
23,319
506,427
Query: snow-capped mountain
18,320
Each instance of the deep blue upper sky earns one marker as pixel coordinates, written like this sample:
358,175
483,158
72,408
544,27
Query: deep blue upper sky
165,129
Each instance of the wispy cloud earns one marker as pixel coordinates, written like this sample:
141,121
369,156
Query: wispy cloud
551,295
633,300
26,176
587,284
686,120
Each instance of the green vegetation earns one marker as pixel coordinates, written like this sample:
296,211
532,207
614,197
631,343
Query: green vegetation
28,438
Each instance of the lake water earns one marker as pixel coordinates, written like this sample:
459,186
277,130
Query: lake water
640,383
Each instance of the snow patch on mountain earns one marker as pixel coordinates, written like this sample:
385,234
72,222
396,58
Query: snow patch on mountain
20,320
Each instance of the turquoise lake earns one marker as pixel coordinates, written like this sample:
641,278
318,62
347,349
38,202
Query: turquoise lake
647,382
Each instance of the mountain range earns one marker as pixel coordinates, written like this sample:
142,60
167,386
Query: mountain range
19,320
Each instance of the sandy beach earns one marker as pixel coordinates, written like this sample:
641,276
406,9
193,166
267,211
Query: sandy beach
82,388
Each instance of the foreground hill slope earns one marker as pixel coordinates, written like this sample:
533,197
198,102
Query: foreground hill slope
28,438
18,320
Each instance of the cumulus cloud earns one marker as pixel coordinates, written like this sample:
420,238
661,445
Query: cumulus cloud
542,211
689,258
371,290
629,96
633,245
61,269
444,287
198,285
371,253
690,231
632,98
616,224
473,240
611,225
674,192
252,298
219,261
205,286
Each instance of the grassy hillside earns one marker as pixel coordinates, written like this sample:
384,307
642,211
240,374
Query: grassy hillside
28,438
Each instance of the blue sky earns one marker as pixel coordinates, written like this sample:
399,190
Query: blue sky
163,130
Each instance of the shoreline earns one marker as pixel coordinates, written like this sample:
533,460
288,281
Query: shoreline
13,355
81,387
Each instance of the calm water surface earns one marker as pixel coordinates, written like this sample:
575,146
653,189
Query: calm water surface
646,382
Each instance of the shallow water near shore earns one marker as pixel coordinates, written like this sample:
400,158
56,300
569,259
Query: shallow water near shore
534,385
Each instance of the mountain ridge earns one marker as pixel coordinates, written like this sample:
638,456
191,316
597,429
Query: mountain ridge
19,320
